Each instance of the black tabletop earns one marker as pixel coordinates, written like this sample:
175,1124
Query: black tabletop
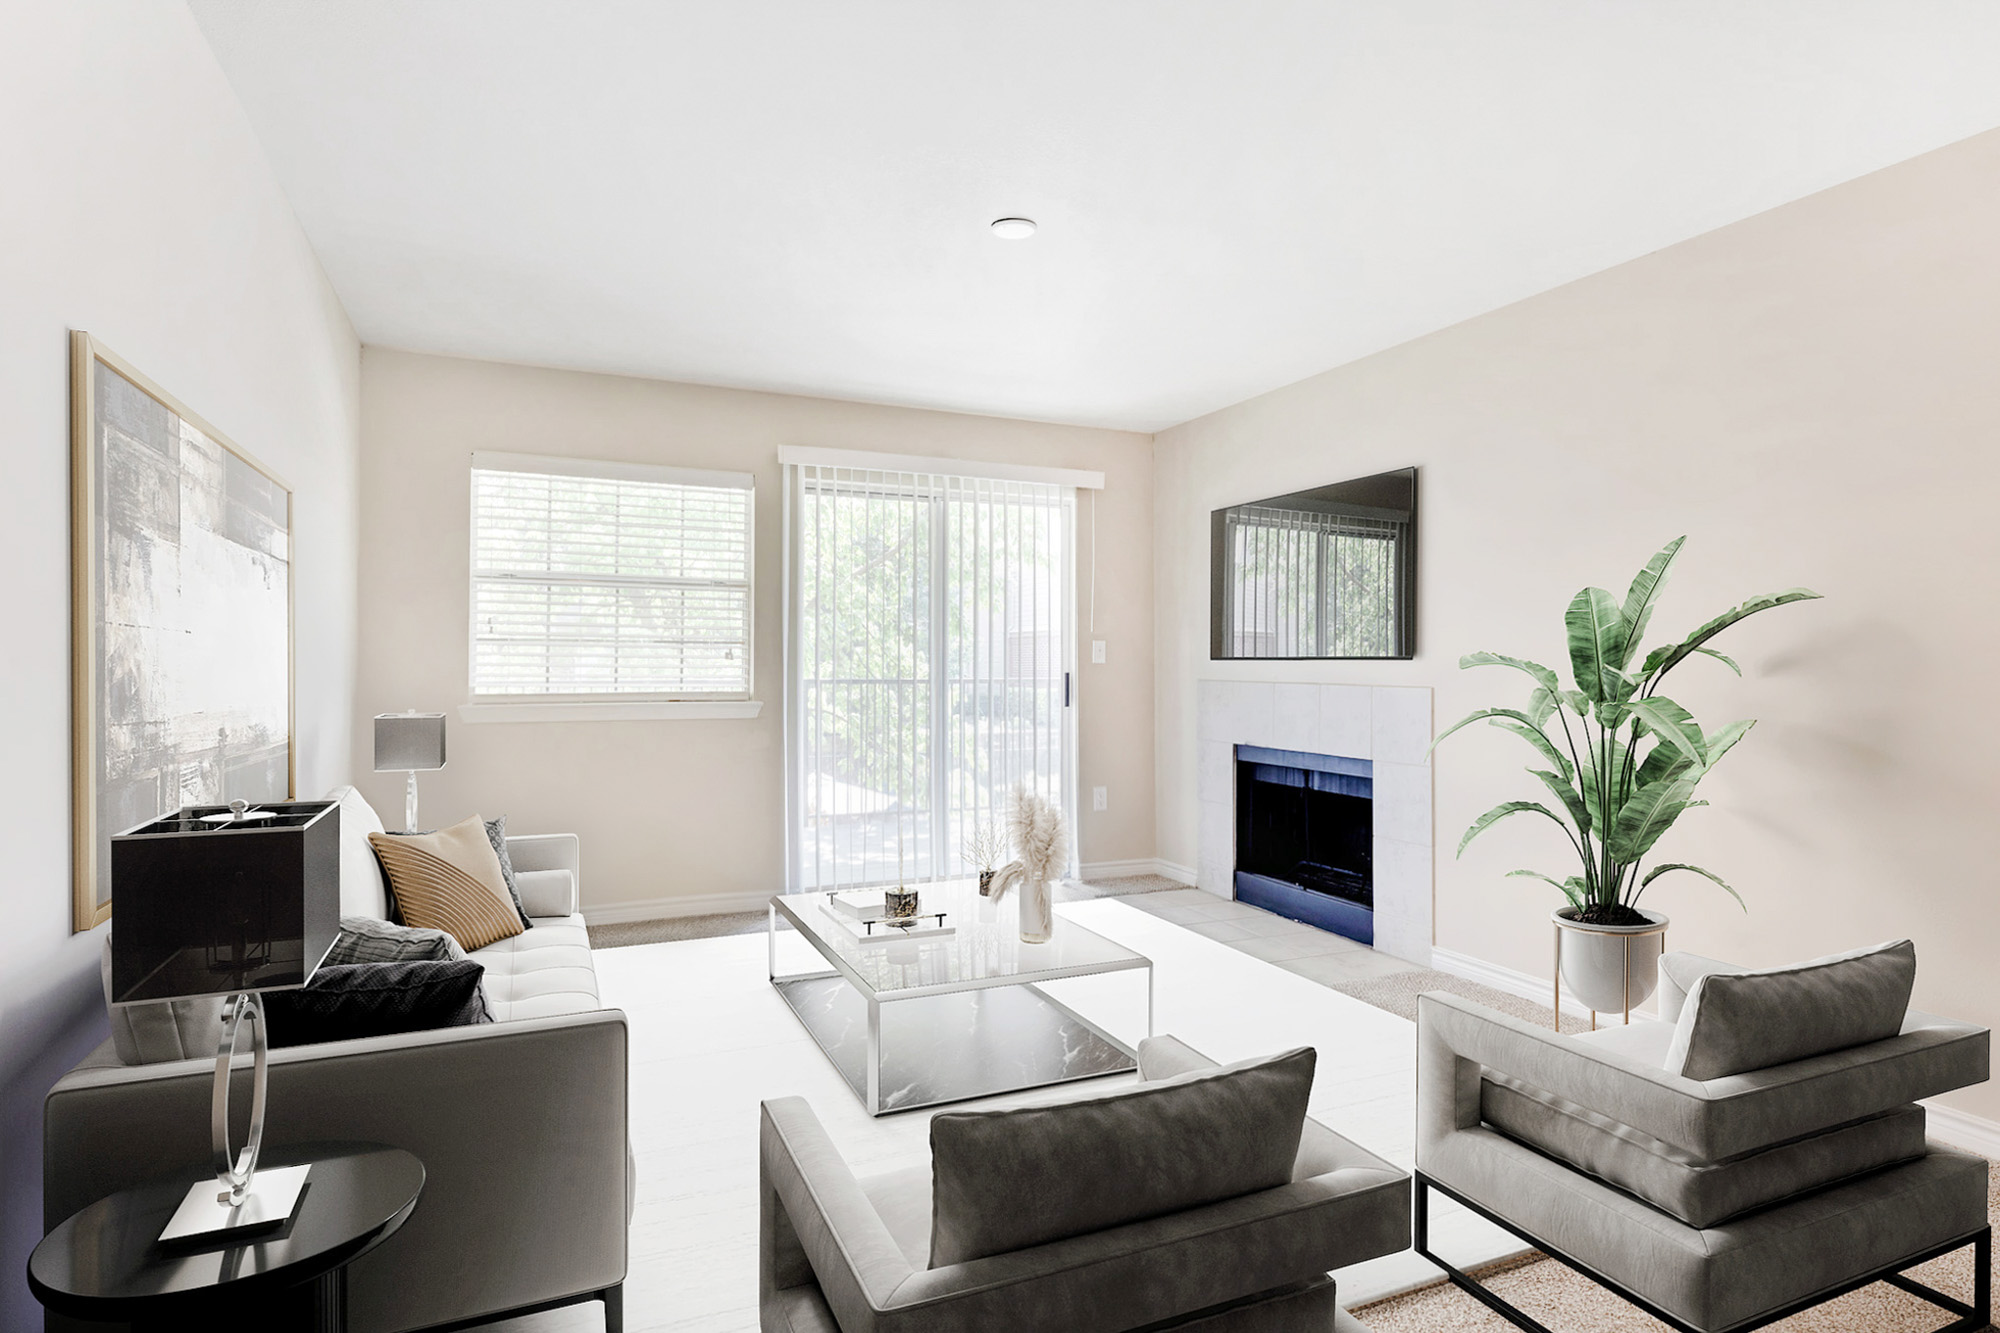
106,1262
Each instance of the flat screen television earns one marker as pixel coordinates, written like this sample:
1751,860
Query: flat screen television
1326,573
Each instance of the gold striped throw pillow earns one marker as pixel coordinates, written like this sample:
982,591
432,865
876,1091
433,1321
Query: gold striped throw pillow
450,881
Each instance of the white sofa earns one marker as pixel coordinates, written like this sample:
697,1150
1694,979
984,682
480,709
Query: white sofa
520,1123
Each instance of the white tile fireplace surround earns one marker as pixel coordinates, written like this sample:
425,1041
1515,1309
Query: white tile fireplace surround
1390,726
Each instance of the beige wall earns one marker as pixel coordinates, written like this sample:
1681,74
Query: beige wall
687,809
136,204
1813,396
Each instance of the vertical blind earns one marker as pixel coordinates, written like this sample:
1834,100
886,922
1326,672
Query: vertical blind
931,633
1312,584
591,580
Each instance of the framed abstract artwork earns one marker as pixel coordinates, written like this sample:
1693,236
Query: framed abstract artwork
181,616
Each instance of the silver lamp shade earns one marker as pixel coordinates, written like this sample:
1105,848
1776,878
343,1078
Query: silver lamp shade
409,742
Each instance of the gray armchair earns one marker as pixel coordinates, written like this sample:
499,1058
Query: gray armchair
839,1253
1716,1203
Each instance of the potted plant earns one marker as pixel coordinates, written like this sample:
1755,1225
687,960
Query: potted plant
1622,761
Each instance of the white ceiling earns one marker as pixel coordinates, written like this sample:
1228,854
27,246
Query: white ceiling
1233,194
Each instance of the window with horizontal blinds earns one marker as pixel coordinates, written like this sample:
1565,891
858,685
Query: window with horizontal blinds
623,582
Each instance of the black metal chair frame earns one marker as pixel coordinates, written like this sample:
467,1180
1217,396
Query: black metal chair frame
1977,1315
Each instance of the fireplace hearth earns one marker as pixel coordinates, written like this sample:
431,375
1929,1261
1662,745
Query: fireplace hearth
1305,837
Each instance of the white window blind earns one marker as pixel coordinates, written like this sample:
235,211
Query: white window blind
604,580
932,632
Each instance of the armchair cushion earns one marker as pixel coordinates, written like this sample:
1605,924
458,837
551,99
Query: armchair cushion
1699,1193
1736,1022
1010,1179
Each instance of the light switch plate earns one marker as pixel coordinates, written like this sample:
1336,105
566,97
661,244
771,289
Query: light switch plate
1097,652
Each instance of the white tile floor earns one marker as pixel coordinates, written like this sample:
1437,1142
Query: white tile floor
710,1039
1305,951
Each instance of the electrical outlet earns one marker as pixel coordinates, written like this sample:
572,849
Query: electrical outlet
1099,799
1097,652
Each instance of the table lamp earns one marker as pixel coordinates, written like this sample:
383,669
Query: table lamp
409,742
230,901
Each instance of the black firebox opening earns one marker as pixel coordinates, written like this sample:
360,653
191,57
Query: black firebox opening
1289,827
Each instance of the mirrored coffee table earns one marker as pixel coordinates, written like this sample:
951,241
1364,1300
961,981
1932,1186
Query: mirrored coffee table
915,1022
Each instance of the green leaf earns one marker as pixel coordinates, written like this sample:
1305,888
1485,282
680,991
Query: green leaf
1543,676
1541,742
1658,871
1586,781
1673,725
1723,739
1644,594
1729,662
1573,888
1596,643
1650,812
1661,764
1541,707
1466,721
1669,658
1579,703
1500,812
1568,796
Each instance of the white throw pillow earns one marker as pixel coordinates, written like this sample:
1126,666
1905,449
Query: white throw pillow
363,892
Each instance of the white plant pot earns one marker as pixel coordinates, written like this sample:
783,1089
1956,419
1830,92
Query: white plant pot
1038,911
1611,969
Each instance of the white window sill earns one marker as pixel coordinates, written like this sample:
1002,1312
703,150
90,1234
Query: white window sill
623,711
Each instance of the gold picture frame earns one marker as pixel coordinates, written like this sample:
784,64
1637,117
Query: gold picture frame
181,616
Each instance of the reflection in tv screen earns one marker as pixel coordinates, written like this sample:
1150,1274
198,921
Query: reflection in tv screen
1325,573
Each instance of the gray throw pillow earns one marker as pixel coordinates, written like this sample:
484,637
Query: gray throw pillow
1734,1022
496,833
363,939
1005,1180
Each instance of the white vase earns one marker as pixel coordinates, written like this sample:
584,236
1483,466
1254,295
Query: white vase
1038,911
1611,969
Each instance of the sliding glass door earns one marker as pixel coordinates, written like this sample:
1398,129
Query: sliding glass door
928,661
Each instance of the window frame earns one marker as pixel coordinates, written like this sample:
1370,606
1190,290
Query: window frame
609,705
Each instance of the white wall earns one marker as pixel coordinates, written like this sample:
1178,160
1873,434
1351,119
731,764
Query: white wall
135,204
1813,397
680,814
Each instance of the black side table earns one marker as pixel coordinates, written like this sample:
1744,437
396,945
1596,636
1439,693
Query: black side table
106,1262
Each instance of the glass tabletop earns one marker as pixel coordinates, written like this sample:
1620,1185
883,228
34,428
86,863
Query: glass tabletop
984,948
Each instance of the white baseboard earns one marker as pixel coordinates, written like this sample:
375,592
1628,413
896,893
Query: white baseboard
1962,1130
657,909
1091,870
1524,984
713,904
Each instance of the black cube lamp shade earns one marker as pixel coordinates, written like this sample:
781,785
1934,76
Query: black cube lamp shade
212,905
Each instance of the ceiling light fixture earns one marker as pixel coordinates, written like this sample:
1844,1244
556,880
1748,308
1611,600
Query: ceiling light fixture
1014,229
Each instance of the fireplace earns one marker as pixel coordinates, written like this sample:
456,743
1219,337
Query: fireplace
1305,831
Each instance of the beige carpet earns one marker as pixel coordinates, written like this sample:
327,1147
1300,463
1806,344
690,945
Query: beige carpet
750,923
